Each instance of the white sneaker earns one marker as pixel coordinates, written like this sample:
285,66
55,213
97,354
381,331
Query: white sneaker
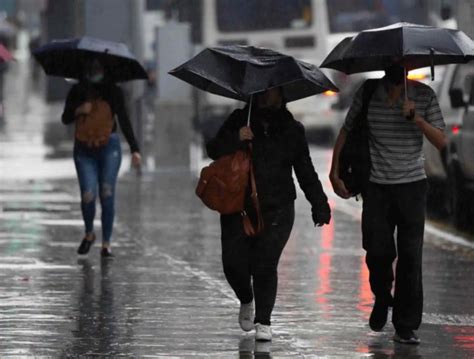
246,317
263,332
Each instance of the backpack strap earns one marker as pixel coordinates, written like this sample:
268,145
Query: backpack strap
249,228
368,90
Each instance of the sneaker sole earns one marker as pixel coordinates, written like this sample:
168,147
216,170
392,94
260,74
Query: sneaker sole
397,339
377,329
247,328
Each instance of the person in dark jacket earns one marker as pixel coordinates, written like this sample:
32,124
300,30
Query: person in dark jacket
278,147
98,166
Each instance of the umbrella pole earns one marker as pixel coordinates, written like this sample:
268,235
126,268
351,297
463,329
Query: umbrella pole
412,112
250,110
406,84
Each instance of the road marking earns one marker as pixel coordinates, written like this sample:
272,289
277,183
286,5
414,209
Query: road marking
65,222
448,236
448,319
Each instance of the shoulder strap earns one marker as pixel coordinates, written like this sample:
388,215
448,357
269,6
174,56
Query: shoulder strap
249,228
368,90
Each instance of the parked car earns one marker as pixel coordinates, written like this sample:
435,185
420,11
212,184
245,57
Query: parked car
460,151
323,115
435,160
451,171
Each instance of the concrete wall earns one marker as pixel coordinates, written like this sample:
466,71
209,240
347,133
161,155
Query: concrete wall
60,19
122,21
108,19
465,16
174,106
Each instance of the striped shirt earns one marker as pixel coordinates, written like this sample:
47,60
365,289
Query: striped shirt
395,143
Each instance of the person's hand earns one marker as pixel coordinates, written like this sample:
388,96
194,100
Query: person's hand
136,160
321,214
84,109
339,187
409,109
245,134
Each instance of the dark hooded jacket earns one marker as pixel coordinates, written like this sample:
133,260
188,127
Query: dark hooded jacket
279,146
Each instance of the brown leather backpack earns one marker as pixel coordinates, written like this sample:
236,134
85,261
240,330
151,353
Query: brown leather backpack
223,184
94,129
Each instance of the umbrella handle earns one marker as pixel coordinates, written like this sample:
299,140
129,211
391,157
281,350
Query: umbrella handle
406,82
412,112
432,63
250,110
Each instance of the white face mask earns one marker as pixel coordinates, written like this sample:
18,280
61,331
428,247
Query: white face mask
96,78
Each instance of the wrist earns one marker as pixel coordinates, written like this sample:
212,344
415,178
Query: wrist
419,121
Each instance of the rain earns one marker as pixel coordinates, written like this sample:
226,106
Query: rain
109,246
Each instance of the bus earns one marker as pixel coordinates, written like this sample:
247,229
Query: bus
293,27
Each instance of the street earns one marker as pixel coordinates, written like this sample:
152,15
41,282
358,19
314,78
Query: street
165,293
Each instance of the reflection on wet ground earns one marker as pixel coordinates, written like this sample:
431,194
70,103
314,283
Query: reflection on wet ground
165,293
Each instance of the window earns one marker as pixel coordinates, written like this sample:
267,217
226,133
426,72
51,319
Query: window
358,15
256,15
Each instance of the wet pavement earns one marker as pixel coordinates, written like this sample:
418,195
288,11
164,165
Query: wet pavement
165,294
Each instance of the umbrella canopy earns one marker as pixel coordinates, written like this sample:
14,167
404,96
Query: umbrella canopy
67,58
5,55
413,46
238,72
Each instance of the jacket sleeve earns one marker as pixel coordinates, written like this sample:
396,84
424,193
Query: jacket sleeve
227,139
73,100
124,119
305,173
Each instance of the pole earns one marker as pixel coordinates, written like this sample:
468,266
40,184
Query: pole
250,110
406,84
412,112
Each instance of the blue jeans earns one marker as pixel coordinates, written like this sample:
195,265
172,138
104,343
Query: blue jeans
97,168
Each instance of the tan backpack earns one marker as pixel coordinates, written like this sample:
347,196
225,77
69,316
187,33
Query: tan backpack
94,129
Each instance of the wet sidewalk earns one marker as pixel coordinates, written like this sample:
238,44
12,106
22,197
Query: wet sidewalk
165,294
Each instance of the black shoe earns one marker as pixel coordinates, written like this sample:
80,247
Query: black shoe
406,336
85,245
106,253
378,317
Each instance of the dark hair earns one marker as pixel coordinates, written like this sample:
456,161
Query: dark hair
258,94
87,65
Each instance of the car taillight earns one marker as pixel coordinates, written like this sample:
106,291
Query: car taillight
329,93
455,129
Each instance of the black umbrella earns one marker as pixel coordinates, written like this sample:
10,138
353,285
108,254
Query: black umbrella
238,72
67,58
411,45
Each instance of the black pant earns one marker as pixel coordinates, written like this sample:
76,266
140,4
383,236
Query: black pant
250,264
386,207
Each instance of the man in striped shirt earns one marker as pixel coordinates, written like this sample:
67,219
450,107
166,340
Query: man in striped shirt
396,194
